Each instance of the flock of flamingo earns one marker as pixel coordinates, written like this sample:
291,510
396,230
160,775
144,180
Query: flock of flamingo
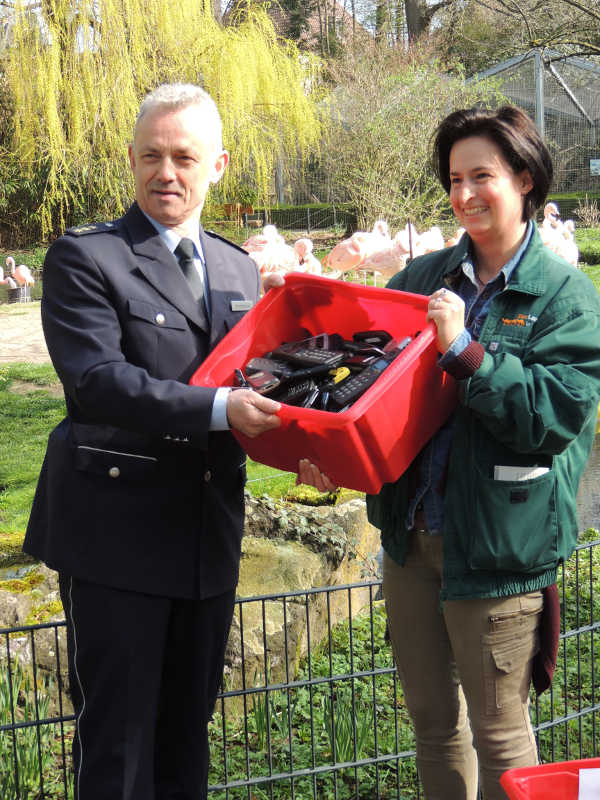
378,252
373,251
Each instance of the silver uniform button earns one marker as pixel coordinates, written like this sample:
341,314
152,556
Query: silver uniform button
207,475
114,472
160,319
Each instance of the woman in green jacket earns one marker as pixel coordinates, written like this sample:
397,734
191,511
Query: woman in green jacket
473,532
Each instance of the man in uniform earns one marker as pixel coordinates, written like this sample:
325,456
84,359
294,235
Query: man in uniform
139,505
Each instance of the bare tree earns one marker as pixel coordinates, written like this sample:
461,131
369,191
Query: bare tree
386,105
477,31
569,26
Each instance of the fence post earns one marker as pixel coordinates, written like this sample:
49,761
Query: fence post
334,219
245,221
308,220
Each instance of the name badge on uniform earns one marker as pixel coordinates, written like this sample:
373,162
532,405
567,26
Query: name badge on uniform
241,305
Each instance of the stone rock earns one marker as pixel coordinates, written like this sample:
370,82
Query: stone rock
338,548
47,647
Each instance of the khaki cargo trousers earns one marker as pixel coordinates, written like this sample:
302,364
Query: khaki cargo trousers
465,670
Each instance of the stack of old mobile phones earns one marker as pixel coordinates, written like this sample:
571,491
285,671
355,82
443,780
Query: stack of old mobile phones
326,371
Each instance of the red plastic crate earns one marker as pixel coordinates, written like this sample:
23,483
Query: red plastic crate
546,781
375,440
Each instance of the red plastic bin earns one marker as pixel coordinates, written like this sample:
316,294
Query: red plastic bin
375,440
559,780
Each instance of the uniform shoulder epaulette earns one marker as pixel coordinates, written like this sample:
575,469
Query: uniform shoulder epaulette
92,227
227,241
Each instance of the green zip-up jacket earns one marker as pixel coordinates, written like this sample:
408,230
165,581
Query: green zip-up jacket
528,394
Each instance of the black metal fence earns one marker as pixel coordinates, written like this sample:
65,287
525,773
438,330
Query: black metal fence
310,707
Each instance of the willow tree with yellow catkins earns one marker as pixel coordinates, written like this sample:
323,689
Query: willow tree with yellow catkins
77,71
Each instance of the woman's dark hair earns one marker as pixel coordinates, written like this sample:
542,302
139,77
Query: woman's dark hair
513,132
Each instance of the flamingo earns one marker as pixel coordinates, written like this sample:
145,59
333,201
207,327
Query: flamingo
559,236
23,275
8,280
351,253
259,241
307,261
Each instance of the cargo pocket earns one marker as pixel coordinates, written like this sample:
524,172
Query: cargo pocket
507,672
514,525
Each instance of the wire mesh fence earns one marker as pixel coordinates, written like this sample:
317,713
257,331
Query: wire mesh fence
563,97
310,706
307,219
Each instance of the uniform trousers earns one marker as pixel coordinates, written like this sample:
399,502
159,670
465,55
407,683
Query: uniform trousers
465,669
144,672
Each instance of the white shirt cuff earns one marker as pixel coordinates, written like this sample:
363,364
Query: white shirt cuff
218,419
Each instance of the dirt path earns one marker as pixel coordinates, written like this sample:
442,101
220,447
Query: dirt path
21,337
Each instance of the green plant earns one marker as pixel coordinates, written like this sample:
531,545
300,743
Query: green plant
25,753
246,195
272,711
348,722
588,213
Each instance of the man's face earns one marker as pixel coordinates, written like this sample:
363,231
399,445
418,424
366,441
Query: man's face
174,159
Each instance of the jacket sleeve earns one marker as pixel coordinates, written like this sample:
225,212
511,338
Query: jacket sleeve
85,340
537,400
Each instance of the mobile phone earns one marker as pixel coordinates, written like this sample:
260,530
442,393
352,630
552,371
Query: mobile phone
311,398
241,379
374,338
277,367
322,342
340,374
295,393
352,388
395,346
263,382
358,361
309,356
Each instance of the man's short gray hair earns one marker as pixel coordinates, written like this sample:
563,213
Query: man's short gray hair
173,96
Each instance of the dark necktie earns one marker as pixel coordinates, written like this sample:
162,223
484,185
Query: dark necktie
185,255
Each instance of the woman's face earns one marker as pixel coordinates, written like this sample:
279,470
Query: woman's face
487,197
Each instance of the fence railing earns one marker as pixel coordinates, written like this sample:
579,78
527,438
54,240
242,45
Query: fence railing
310,707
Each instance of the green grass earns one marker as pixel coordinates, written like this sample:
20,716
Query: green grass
26,420
588,242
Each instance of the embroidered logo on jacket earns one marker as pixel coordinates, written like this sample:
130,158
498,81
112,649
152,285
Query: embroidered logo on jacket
522,320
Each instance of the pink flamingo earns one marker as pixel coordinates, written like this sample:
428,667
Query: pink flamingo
19,276
307,261
23,275
8,281
350,253
259,241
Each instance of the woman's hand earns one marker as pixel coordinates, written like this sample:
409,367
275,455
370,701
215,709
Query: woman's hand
272,280
310,474
447,310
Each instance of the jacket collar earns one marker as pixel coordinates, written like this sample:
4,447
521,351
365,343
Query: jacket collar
158,266
528,277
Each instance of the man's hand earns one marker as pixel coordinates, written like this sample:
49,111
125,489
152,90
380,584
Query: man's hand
310,474
273,280
251,413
